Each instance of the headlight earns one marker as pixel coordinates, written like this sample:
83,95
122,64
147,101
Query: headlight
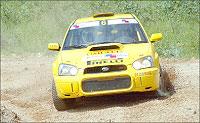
65,69
144,62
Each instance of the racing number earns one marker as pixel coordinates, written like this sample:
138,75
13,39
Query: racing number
103,22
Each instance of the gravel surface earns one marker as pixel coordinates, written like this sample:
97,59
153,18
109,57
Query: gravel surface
26,95
8,115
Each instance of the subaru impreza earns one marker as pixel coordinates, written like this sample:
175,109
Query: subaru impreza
104,54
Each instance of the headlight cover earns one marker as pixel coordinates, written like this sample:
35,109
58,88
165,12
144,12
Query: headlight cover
66,69
144,62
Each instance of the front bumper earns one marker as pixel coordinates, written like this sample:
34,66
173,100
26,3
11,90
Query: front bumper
140,80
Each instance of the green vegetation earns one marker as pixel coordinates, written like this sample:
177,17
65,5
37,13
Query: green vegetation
28,26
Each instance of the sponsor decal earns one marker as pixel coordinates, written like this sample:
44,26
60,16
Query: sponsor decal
121,21
84,24
125,21
75,26
88,62
93,57
110,55
104,52
104,56
95,62
143,73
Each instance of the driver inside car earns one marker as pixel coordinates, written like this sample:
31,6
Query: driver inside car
87,37
126,34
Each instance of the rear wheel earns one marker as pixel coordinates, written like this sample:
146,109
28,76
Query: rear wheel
61,104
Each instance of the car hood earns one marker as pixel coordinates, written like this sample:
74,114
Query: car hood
84,57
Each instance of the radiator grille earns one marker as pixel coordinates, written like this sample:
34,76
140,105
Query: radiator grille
99,69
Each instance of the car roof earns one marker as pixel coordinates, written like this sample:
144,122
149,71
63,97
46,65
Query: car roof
115,16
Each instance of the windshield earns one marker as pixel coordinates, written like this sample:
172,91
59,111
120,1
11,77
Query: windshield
122,31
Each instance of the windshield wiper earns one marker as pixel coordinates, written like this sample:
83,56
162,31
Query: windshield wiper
135,42
76,46
104,43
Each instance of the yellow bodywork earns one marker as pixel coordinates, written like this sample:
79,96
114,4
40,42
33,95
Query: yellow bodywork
141,80
53,46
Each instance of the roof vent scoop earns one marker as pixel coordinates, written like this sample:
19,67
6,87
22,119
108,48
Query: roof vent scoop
103,15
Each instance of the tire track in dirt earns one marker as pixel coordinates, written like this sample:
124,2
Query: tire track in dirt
26,90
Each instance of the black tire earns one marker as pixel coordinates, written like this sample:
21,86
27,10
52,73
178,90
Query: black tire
61,104
162,91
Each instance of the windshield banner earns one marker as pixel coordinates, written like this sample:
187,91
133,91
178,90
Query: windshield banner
97,23
121,21
85,24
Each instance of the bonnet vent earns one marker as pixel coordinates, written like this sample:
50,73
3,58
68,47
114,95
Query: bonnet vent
105,48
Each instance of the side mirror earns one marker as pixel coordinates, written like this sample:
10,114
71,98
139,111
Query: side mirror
54,46
156,37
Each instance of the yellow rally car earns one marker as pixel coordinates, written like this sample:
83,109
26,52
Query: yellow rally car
104,54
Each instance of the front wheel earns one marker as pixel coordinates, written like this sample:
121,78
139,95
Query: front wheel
61,104
162,91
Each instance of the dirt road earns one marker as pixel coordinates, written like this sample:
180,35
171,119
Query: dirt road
26,92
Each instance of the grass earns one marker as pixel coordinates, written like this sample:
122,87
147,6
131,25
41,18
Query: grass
180,37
